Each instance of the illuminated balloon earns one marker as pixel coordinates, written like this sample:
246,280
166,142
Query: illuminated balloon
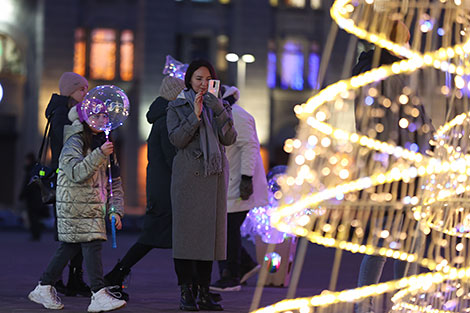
105,107
273,175
274,261
174,68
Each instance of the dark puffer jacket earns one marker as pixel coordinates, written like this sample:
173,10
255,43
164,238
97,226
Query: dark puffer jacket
57,110
369,115
157,223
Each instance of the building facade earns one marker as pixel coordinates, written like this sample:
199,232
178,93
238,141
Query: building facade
125,43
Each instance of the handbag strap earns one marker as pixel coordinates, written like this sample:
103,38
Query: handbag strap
44,138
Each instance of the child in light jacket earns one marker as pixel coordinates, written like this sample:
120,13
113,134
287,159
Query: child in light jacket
82,204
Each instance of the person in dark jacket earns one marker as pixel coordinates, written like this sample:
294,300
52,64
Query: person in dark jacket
416,140
31,195
73,88
156,232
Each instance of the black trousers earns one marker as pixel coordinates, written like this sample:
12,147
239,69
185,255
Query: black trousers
66,251
193,272
237,256
135,254
77,260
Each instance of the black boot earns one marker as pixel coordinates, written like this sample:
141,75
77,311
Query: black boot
206,301
187,301
115,278
76,285
216,297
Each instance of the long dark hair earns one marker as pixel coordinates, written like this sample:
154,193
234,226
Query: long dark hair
194,67
92,139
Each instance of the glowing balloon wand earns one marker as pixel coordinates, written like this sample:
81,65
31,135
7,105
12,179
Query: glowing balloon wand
112,210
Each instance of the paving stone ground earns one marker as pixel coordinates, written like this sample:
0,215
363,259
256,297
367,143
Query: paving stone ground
152,285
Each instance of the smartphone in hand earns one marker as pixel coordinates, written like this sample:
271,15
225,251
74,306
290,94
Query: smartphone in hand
213,88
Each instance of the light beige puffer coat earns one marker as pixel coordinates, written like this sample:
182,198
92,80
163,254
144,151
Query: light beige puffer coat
82,189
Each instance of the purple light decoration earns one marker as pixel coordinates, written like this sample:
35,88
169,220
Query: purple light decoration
292,66
414,147
174,68
314,67
369,100
271,76
448,78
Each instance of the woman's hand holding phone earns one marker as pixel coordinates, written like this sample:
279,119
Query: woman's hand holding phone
198,104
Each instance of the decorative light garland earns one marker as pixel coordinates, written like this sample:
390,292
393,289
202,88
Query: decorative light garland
407,165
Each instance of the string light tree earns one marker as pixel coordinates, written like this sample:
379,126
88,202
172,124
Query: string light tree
352,188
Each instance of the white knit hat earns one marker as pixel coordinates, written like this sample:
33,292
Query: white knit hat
229,91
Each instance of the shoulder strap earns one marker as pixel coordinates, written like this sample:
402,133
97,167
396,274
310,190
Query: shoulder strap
44,139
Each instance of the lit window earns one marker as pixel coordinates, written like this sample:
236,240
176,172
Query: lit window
99,60
79,56
292,63
271,75
126,66
315,4
313,68
103,54
295,3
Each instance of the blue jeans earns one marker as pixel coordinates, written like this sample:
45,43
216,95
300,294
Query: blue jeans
371,271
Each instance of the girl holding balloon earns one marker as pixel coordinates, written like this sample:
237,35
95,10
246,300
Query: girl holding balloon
83,189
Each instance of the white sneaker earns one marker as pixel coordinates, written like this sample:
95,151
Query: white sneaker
103,301
47,296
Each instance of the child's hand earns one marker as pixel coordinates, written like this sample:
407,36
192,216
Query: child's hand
107,148
118,223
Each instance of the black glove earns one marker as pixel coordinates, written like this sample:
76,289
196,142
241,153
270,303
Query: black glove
213,103
246,187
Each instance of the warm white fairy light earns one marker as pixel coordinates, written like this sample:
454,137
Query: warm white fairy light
405,165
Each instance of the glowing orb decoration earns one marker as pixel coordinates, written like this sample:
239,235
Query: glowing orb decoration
105,107
1,92
426,23
273,176
174,68
258,221
274,261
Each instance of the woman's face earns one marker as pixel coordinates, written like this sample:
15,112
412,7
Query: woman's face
200,79
80,93
98,122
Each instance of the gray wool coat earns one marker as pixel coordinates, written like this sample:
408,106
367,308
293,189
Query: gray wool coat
82,190
199,202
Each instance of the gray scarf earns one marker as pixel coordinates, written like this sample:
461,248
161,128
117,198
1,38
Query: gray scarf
209,142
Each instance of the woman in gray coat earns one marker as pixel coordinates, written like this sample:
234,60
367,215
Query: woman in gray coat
199,126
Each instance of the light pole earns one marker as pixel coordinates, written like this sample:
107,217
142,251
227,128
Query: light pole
241,67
